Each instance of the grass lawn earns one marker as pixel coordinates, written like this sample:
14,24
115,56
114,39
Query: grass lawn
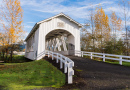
30,75
117,62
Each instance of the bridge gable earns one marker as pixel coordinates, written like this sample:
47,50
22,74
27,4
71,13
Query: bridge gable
60,15
59,23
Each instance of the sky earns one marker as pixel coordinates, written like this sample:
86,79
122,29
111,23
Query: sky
38,10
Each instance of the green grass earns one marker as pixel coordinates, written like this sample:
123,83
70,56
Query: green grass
116,62
78,70
31,75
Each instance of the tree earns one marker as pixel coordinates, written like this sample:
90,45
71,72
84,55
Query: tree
117,48
11,22
102,28
4,45
129,40
116,24
92,25
88,31
125,14
85,42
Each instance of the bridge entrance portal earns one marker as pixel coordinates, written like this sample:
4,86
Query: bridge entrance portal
60,41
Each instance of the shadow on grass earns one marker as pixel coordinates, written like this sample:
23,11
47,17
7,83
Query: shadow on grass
2,87
16,59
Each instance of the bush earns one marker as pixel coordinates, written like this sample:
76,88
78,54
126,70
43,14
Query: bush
18,59
115,47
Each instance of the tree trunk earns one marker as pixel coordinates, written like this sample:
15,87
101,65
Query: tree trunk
11,55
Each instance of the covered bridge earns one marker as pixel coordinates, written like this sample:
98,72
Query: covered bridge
59,33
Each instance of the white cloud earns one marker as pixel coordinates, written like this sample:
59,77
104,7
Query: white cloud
54,7
26,34
127,23
28,26
31,22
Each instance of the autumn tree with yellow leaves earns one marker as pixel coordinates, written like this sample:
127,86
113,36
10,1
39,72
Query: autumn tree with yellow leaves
11,18
102,28
97,33
116,24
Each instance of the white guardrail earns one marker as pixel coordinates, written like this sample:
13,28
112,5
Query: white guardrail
68,63
104,56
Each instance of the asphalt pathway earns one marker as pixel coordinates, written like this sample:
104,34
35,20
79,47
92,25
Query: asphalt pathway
97,75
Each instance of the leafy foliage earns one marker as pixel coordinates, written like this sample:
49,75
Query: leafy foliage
99,35
11,18
115,47
116,24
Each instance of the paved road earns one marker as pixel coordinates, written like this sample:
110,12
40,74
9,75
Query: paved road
95,75
100,75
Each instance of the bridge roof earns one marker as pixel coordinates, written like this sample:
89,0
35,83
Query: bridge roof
61,14
38,23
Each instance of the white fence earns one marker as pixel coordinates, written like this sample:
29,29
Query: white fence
104,56
68,63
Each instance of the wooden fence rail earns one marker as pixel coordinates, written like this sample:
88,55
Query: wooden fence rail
105,56
68,63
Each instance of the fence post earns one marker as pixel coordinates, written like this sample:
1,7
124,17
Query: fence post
103,57
70,73
91,56
120,62
82,53
57,58
61,66
65,66
52,56
48,53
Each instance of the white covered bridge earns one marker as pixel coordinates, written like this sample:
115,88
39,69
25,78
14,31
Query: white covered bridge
55,37
58,36
59,33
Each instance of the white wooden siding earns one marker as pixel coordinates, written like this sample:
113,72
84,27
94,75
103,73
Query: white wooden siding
48,26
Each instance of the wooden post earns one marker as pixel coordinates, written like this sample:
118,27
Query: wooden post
61,66
91,56
120,62
70,73
82,53
48,53
57,58
52,56
65,67
103,57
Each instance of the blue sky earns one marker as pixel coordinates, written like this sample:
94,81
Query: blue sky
38,10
